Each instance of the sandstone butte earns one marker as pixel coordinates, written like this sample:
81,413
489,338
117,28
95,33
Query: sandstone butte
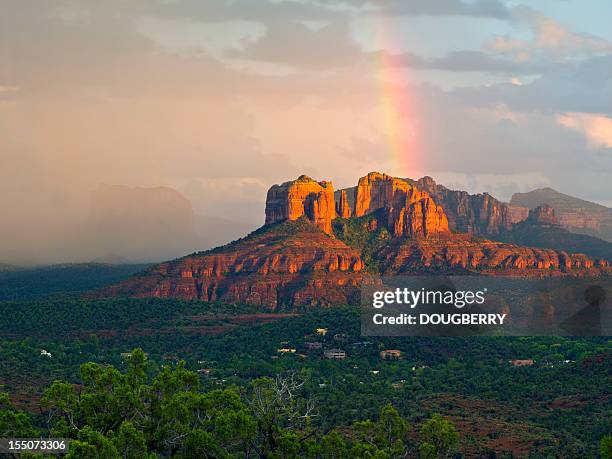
343,208
296,260
302,197
410,211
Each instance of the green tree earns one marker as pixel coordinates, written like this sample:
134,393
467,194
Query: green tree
387,437
14,423
605,447
130,442
439,438
333,446
91,445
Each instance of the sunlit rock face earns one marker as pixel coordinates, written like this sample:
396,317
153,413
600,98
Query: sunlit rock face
410,211
302,197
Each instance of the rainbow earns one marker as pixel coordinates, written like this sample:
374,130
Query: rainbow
398,111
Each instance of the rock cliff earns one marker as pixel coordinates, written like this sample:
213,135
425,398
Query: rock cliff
292,264
299,259
410,211
542,215
517,213
343,208
575,214
302,197
461,253
477,214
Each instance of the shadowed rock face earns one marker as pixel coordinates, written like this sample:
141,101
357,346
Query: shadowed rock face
343,208
542,215
302,197
477,214
575,214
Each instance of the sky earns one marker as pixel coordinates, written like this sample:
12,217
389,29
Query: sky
221,99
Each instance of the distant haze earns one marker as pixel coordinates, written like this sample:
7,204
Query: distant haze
218,100
126,224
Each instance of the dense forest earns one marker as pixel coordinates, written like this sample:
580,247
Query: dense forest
135,414
68,368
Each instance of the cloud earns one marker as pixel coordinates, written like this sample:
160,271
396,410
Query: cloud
474,61
549,39
296,44
584,86
502,186
479,8
596,128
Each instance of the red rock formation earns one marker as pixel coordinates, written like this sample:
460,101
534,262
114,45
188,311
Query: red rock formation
294,264
460,253
343,209
573,213
276,266
303,196
410,211
517,214
303,267
478,214
543,215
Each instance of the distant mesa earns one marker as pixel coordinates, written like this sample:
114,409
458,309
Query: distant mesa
140,223
577,215
542,228
111,259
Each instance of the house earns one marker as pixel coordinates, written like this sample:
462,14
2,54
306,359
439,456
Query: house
313,345
205,371
522,362
128,355
391,354
45,353
340,337
321,331
286,350
337,354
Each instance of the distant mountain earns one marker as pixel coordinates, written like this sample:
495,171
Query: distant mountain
141,223
542,229
111,259
306,256
574,214
152,224
6,267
